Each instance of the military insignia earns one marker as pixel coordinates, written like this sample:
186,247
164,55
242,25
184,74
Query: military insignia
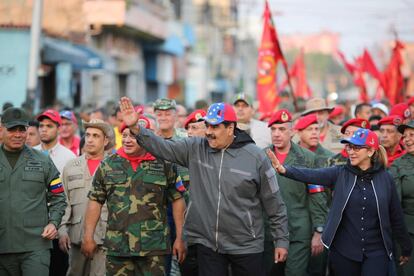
284,117
142,123
407,113
364,124
198,116
372,142
397,121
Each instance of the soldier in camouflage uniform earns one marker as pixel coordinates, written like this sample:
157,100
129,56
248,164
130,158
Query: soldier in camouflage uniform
347,130
306,203
166,116
136,188
403,173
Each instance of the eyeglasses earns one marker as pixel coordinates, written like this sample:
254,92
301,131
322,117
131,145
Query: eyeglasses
349,147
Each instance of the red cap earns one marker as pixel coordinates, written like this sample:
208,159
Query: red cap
280,117
50,114
358,122
142,122
338,110
394,120
195,116
401,110
265,116
410,101
306,121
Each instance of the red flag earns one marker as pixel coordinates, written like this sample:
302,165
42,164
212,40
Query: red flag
270,54
359,80
349,67
298,73
393,78
368,66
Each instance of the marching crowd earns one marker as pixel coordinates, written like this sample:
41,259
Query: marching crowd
153,190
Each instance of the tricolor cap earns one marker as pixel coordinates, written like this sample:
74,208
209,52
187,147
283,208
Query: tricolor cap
195,116
394,120
218,113
402,110
280,117
50,114
305,121
358,122
363,137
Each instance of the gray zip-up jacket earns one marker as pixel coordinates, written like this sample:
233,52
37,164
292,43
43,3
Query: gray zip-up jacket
230,191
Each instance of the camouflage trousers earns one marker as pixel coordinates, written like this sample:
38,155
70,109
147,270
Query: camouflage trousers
135,266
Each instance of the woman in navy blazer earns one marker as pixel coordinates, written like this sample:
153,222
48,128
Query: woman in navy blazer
365,215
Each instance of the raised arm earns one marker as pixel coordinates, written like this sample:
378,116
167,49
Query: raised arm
322,176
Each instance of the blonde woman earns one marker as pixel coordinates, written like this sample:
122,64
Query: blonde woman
365,214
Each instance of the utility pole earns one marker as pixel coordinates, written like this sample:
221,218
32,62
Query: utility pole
35,32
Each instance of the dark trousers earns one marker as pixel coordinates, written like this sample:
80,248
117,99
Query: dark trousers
59,260
33,263
214,263
343,266
190,266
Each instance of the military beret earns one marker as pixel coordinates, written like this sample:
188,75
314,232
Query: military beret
305,121
402,110
195,116
358,122
142,122
394,120
13,116
338,110
164,104
280,117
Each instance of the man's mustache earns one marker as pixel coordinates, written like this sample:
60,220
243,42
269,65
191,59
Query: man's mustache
211,136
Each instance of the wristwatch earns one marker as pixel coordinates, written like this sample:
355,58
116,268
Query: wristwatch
319,229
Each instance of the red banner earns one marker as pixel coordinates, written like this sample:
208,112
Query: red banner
393,78
269,55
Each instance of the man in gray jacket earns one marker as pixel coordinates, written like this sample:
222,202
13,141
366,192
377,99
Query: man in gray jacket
233,185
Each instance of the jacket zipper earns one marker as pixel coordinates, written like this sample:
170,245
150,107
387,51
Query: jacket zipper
219,197
342,212
251,224
380,221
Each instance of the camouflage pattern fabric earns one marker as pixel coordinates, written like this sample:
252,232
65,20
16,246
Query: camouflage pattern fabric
146,266
137,205
164,104
337,160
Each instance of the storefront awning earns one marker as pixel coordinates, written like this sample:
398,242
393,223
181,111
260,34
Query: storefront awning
81,57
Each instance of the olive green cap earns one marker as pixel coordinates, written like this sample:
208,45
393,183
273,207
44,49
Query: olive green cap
403,127
13,116
164,104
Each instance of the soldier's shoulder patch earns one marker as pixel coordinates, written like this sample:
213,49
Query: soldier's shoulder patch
56,186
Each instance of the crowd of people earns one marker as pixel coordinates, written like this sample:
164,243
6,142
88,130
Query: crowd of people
157,190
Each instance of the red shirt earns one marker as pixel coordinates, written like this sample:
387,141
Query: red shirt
281,156
93,165
399,151
75,144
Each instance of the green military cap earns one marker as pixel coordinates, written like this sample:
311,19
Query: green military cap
164,104
244,98
403,127
13,116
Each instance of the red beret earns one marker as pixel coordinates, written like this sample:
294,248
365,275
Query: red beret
394,120
306,121
280,117
401,110
195,116
338,110
142,122
410,101
358,122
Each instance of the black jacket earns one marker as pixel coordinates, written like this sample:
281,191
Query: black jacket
343,179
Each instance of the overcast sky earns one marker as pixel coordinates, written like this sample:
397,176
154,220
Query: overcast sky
361,23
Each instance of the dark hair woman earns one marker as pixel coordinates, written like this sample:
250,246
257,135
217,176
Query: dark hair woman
403,171
365,214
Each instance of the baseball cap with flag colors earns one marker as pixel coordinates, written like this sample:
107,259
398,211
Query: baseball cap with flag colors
218,113
363,137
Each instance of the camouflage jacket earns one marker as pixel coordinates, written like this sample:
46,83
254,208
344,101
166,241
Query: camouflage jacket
321,156
337,160
137,205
